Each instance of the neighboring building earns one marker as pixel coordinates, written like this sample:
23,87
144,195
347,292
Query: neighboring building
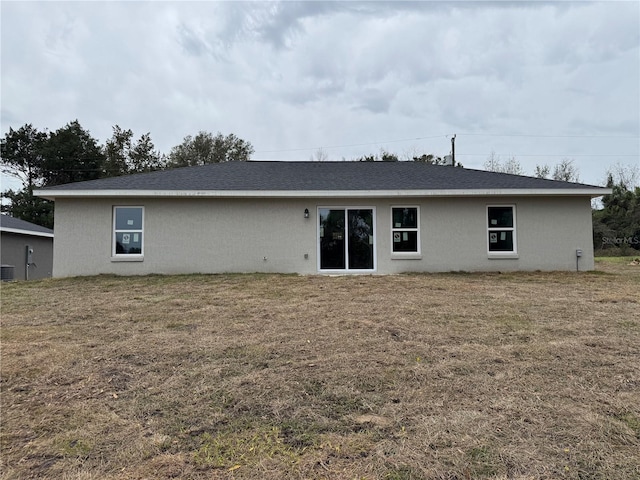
18,237
321,217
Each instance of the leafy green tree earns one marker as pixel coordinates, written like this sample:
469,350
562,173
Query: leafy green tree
385,156
207,148
433,160
71,154
26,206
144,157
117,151
616,227
21,152
388,156
123,155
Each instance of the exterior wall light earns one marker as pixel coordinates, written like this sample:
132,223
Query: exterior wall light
306,213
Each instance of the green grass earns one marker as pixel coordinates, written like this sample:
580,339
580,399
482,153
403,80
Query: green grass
617,260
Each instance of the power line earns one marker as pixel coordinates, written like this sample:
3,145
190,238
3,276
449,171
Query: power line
352,145
553,154
527,135
545,136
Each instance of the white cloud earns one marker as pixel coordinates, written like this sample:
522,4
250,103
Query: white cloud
308,74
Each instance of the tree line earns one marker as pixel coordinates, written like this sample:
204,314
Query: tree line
616,226
565,170
616,221
386,156
70,154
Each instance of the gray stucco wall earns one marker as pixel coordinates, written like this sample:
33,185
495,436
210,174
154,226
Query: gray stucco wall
187,235
13,252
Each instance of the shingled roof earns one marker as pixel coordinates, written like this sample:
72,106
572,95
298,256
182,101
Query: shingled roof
16,225
289,178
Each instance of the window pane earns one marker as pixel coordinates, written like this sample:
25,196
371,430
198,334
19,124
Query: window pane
501,241
128,242
360,239
128,218
332,240
500,217
405,241
405,218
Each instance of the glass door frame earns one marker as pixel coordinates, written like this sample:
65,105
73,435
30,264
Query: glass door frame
346,209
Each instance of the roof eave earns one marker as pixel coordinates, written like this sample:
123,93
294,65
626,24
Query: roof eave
473,192
26,232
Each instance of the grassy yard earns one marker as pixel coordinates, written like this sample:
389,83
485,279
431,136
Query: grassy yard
448,376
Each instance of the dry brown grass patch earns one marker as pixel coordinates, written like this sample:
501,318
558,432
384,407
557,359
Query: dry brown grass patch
450,376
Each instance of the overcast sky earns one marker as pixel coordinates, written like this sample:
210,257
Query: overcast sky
540,81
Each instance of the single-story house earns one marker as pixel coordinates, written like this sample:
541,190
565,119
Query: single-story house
26,249
321,217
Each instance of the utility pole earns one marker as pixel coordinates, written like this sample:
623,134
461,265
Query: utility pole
453,150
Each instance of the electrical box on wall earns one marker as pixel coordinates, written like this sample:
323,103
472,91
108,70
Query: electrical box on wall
578,253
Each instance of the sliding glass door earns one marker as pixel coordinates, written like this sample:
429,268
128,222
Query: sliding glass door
346,238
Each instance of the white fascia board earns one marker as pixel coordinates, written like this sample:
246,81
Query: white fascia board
26,232
51,195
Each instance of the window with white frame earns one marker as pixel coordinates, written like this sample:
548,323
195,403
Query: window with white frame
405,236
501,229
127,231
